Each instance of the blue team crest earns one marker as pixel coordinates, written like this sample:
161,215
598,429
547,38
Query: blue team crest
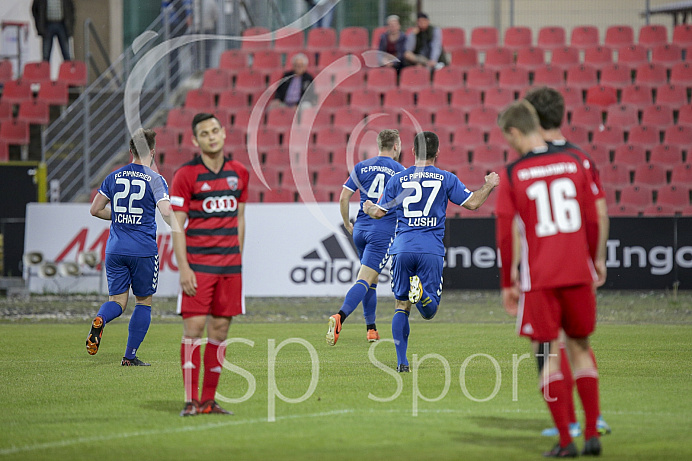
232,182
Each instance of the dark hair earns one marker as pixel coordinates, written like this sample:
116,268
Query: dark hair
428,142
387,138
142,141
520,115
549,105
199,118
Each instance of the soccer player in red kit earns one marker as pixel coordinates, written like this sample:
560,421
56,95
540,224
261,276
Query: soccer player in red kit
209,193
550,197
550,108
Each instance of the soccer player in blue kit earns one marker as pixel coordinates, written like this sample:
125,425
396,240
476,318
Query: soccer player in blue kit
372,237
132,259
419,196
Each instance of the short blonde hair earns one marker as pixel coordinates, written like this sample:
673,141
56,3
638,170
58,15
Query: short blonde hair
520,115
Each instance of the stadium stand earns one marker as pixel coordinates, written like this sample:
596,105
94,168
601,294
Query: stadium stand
598,56
518,37
464,58
619,35
632,56
530,58
584,37
653,35
74,73
453,38
484,38
551,37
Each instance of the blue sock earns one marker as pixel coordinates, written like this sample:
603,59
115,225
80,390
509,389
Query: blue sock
400,332
110,310
354,296
139,325
370,305
427,306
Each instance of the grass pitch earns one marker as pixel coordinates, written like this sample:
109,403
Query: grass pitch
60,403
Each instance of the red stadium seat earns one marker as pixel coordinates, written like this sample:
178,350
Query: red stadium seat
251,41
74,73
564,57
498,98
450,117
518,37
582,76
490,156
467,98
587,116
200,99
335,99
629,156
530,58
576,134
616,76
572,97
651,74
217,80
470,175
668,54
414,78
685,115
453,38
602,96
551,37
330,138
240,118
166,137
682,175
671,96
288,39
647,137
433,98
682,35
366,100
614,175
381,79
598,56
54,93
610,137
4,152
632,56
356,82
398,97
681,74
233,60
16,91
674,195
468,137
584,37
278,157
498,58
513,78
233,99
34,112
180,118
650,174
669,157
250,80
377,33
36,72
678,135
659,210
280,195
623,210
353,39
327,57
637,95
548,75
6,72
321,38
347,118
599,154
484,38
495,136
483,117
416,118
622,115
480,78
448,79
174,156
464,58
280,117
636,195
6,110
619,35
266,60
15,132
653,35
657,116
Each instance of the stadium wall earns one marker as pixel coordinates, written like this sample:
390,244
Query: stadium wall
296,250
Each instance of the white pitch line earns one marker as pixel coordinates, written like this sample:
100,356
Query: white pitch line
125,435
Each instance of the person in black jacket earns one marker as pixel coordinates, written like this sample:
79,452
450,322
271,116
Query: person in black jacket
296,89
424,45
54,18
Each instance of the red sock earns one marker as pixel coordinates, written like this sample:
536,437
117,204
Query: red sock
556,396
190,363
213,356
587,386
569,383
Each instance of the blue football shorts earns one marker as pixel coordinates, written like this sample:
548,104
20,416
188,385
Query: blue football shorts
373,248
140,273
427,267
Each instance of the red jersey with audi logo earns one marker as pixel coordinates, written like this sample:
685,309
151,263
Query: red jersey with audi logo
211,203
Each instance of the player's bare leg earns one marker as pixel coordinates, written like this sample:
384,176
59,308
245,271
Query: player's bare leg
214,354
110,310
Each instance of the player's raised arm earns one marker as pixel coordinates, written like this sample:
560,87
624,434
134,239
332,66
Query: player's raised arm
373,210
98,207
481,195
344,199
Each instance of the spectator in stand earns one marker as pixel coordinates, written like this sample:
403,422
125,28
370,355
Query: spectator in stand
297,89
318,17
206,14
178,13
424,45
392,44
54,18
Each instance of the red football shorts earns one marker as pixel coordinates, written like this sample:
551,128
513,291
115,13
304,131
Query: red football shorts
543,312
221,296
